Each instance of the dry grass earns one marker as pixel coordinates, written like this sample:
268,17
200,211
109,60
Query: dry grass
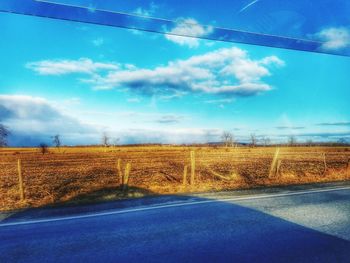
80,175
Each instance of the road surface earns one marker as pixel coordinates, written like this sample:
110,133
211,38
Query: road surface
295,224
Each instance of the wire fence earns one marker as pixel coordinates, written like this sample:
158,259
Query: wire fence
64,173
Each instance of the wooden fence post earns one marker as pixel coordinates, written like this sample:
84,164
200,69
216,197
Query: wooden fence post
119,169
184,178
324,163
348,168
126,176
278,167
193,167
20,180
273,164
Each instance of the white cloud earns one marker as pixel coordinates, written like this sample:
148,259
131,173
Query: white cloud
219,101
61,67
187,31
170,119
38,119
33,120
166,135
147,11
338,123
174,95
150,117
134,100
272,59
224,71
26,107
72,101
334,38
98,42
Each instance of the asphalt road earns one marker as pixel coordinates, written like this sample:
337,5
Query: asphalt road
280,225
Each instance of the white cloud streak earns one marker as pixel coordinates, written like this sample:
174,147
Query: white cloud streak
219,101
170,119
62,67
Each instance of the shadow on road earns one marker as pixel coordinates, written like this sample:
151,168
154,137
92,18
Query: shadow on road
178,232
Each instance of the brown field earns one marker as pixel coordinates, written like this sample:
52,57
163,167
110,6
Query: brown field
86,174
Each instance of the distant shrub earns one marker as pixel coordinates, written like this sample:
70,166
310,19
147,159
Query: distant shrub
43,148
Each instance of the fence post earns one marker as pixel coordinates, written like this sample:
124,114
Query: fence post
193,167
119,169
184,178
126,176
278,166
348,168
20,180
273,164
324,163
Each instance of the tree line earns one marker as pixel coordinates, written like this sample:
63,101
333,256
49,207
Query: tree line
227,139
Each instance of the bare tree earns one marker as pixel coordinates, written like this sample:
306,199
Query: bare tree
56,140
227,138
4,133
253,140
292,140
105,139
266,141
43,148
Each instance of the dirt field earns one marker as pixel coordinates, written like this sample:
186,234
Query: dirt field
78,175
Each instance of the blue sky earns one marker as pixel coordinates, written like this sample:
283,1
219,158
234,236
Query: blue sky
80,81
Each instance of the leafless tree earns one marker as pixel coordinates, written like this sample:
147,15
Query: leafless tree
253,140
56,140
105,139
292,140
266,141
227,138
43,148
4,133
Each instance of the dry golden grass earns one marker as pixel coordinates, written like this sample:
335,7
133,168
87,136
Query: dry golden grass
84,174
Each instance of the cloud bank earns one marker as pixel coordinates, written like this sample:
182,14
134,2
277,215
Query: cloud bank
228,71
33,120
